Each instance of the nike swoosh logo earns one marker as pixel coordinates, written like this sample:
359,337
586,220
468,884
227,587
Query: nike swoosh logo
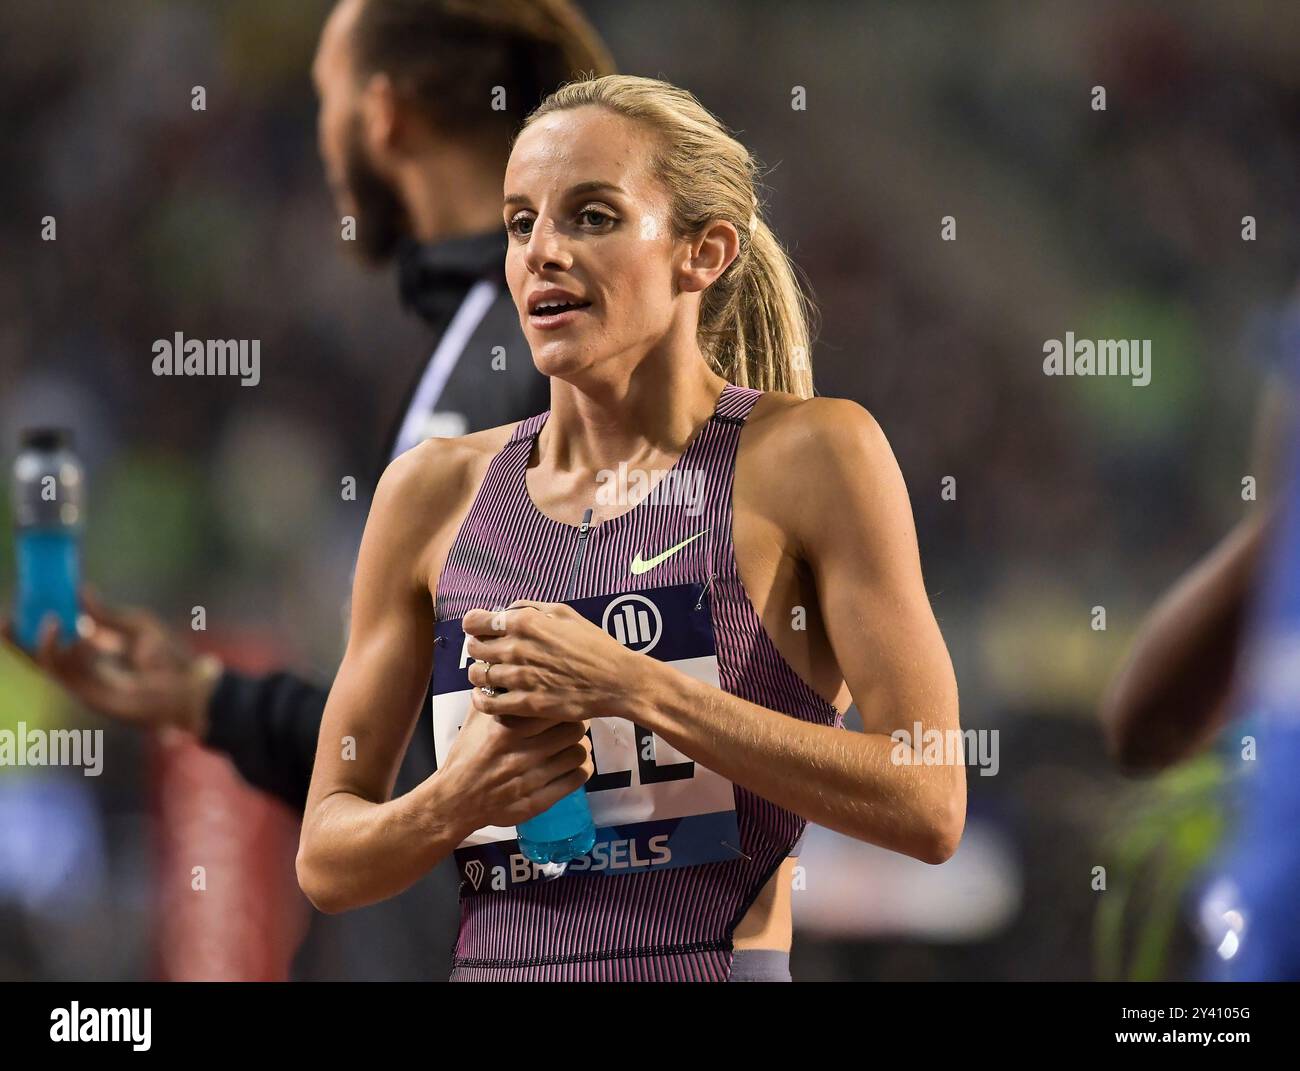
639,566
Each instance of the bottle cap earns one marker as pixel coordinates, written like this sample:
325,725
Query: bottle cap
45,438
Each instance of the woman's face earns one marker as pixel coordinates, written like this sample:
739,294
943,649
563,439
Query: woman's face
592,263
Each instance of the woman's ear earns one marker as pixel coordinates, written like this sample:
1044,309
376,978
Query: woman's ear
709,255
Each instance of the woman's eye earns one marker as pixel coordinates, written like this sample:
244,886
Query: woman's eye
520,226
595,217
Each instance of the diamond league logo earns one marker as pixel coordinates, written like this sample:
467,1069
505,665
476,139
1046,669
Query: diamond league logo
474,872
634,621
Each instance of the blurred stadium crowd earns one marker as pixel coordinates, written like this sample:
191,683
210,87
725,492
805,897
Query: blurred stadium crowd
1070,493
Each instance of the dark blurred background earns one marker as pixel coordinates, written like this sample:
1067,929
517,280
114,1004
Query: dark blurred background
1071,493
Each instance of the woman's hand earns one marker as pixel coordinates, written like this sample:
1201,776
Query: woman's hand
549,662
503,771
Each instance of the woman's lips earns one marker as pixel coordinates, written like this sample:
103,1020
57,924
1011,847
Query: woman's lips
549,320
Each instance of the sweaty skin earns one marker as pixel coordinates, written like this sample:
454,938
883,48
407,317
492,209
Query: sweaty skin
852,522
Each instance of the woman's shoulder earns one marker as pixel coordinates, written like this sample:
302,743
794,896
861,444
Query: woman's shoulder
430,477
804,460
818,431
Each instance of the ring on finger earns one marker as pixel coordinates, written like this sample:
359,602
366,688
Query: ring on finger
486,687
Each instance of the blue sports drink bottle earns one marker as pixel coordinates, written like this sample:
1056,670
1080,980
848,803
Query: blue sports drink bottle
48,497
561,833
565,830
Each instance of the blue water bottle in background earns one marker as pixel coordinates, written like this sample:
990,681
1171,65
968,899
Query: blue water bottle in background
565,830
48,500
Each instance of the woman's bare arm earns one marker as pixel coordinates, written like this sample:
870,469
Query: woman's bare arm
358,845
854,527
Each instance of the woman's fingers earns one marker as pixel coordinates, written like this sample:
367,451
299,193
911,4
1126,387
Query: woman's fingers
488,623
522,726
547,608
556,790
576,757
560,735
483,623
498,675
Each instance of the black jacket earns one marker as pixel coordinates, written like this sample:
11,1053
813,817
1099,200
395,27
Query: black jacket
268,724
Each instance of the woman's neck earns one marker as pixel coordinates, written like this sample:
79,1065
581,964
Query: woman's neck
646,416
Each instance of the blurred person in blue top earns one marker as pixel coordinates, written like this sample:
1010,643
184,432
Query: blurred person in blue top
1224,642
1250,912
1252,909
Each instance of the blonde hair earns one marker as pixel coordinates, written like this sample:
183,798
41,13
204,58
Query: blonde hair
755,319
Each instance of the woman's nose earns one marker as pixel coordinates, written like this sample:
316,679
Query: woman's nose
547,249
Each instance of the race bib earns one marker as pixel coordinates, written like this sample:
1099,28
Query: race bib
653,807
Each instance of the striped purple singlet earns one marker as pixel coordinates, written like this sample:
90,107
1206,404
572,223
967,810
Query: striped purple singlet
675,924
